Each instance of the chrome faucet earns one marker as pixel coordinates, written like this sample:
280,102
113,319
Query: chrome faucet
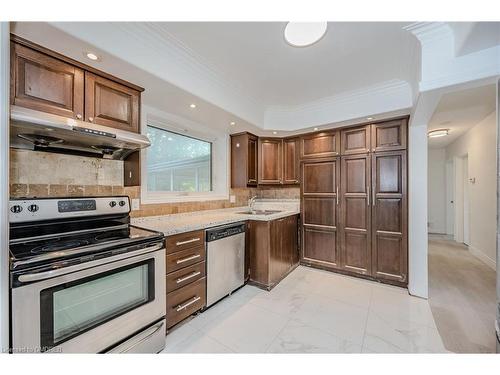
251,201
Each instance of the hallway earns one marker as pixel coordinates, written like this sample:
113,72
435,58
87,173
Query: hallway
462,297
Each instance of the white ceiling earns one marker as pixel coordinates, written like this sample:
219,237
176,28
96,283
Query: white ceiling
245,71
255,55
459,111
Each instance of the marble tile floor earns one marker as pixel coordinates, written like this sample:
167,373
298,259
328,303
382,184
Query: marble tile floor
312,311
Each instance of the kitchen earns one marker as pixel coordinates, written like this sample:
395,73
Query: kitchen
134,228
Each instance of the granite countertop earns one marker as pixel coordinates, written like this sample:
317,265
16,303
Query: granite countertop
186,222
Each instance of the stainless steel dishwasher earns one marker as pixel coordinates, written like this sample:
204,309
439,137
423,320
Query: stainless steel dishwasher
225,260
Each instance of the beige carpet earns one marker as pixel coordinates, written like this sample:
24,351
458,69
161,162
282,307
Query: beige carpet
462,297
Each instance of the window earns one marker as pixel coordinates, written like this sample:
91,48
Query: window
178,163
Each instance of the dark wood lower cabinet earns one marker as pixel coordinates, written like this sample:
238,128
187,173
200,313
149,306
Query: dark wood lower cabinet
356,214
273,249
361,229
389,217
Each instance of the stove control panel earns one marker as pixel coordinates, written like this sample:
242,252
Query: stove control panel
26,210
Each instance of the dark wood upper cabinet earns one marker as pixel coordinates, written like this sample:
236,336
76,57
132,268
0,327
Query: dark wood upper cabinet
111,104
319,145
320,212
355,140
389,216
244,162
46,84
388,136
290,161
270,161
355,219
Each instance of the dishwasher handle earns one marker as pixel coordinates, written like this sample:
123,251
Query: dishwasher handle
218,233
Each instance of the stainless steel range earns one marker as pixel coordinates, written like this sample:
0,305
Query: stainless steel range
83,280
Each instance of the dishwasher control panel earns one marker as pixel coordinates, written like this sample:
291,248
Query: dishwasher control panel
218,233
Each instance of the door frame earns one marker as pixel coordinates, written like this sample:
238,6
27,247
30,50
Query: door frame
450,197
4,183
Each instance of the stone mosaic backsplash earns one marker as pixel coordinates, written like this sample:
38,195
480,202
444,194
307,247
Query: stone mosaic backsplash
43,174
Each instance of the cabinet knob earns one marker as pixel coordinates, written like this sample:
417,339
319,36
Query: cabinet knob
91,119
79,116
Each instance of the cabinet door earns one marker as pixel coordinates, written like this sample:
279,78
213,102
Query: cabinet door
111,104
252,161
355,140
270,161
45,84
320,145
389,237
355,220
290,161
319,200
389,136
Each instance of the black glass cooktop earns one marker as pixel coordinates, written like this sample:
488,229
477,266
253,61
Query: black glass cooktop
62,245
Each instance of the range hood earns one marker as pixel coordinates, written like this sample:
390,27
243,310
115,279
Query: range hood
35,130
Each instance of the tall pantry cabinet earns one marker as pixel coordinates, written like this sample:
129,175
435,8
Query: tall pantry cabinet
354,201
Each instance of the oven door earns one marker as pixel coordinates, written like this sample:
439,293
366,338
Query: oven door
92,309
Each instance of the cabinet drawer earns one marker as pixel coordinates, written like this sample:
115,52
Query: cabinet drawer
185,258
185,276
185,301
185,241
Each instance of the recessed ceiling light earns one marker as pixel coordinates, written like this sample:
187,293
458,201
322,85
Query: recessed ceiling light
275,133
192,105
369,118
170,139
303,34
232,123
92,56
315,128
438,133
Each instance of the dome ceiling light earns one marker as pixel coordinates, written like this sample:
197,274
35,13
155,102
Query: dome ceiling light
438,133
303,34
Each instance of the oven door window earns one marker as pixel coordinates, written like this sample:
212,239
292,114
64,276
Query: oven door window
69,309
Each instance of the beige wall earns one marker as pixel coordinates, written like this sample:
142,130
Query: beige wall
436,186
479,143
43,174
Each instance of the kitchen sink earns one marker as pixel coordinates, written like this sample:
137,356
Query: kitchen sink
259,212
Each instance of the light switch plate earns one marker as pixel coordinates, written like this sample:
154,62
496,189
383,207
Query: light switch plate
232,198
136,204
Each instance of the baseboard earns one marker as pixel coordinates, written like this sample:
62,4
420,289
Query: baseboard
483,257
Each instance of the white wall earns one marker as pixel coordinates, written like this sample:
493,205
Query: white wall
436,187
417,211
479,144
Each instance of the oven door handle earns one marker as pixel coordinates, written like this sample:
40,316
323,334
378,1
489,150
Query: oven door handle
30,277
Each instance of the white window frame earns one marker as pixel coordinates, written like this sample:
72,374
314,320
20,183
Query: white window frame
220,158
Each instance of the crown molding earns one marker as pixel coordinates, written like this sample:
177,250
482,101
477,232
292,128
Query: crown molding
384,97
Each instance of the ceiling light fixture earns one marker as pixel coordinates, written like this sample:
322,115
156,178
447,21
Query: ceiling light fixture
303,34
92,56
275,132
232,123
315,129
369,118
438,133
192,105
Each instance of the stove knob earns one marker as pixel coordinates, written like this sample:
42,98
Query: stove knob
16,209
32,208
112,203
121,203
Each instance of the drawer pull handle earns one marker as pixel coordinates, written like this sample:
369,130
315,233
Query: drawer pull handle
183,260
179,243
182,279
187,304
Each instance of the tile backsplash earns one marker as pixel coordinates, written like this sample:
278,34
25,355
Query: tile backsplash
44,174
